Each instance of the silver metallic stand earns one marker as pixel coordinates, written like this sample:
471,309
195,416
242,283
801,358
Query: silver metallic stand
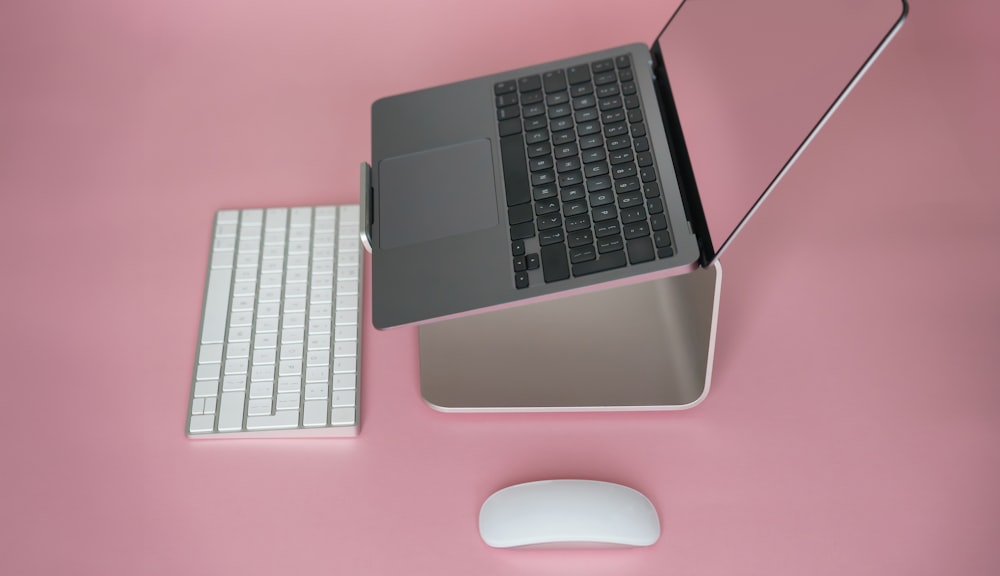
646,346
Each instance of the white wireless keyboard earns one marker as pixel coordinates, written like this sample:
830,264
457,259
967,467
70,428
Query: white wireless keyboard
280,341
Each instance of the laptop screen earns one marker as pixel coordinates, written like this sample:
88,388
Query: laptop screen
752,81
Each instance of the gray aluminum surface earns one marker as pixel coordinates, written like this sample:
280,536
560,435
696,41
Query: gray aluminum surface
646,346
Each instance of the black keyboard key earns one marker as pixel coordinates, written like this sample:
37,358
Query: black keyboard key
633,115
615,130
549,221
633,215
557,98
531,97
591,141
641,143
578,74
515,171
551,236
658,222
605,78
554,81
601,198
595,169
533,110
529,83
555,264
636,230
599,183
629,88
640,250
535,123
568,164
621,156
584,102
651,190
608,261
546,207
647,174
570,193
588,115
579,238
561,124
560,111
506,99
519,264
639,130
588,128
531,260
522,231
570,178
609,103
564,137
623,61
540,149
602,66
630,200
610,244
536,136
504,87
544,192
661,239
540,163
654,206
623,171
607,90
602,213
632,102
581,222
566,150
521,280
582,254
593,155
644,159
605,229
574,208
665,252
581,90
625,75
508,112
624,185
546,177
510,127
517,248
612,116
519,214
619,143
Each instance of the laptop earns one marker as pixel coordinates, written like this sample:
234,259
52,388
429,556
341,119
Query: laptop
626,164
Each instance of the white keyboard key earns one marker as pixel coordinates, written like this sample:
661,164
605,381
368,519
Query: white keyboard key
265,340
290,368
291,351
299,247
345,333
289,384
342,398
262,389
345,365
350,213
263,356
247,261
202,423
297,234
274,218
322,267
234,383
260,373
346,318
239,350
246,288
292,335
225,231
342,417
294,320
224,245
316,391
295,291
198,405
295,304
296,276
268,310
322,253
347,272
289,401
227,216
349,244
207,372
323,281
254,216
242,304
281,420
345,348
270,252
246,275
320,311
347,287
270,267
205,388
315,413
231,412
266,325
347,302
318,358
238,319
321,326
213,328
321,295
259,407
236,366
239,334
347,258
344,381
325,212
270,294
322,239
318,374
210,353
209,405
222,260
271,280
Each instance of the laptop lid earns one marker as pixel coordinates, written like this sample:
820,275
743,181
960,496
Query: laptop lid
750,84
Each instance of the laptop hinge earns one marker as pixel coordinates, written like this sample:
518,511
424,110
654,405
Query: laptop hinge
366,205
679,155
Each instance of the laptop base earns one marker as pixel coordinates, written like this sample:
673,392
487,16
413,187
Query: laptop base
646,346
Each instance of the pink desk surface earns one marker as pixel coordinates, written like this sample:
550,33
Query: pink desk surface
854,422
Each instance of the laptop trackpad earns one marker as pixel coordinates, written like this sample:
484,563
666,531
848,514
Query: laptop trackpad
436,193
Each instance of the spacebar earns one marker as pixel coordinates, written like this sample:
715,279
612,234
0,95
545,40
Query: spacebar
606,262
515,170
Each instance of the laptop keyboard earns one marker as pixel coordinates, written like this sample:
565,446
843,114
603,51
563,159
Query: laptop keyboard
582,190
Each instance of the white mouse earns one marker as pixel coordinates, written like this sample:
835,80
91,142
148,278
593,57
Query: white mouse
568,513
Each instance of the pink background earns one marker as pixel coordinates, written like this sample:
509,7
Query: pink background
854,421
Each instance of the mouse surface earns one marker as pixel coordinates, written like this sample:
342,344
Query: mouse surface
568,513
